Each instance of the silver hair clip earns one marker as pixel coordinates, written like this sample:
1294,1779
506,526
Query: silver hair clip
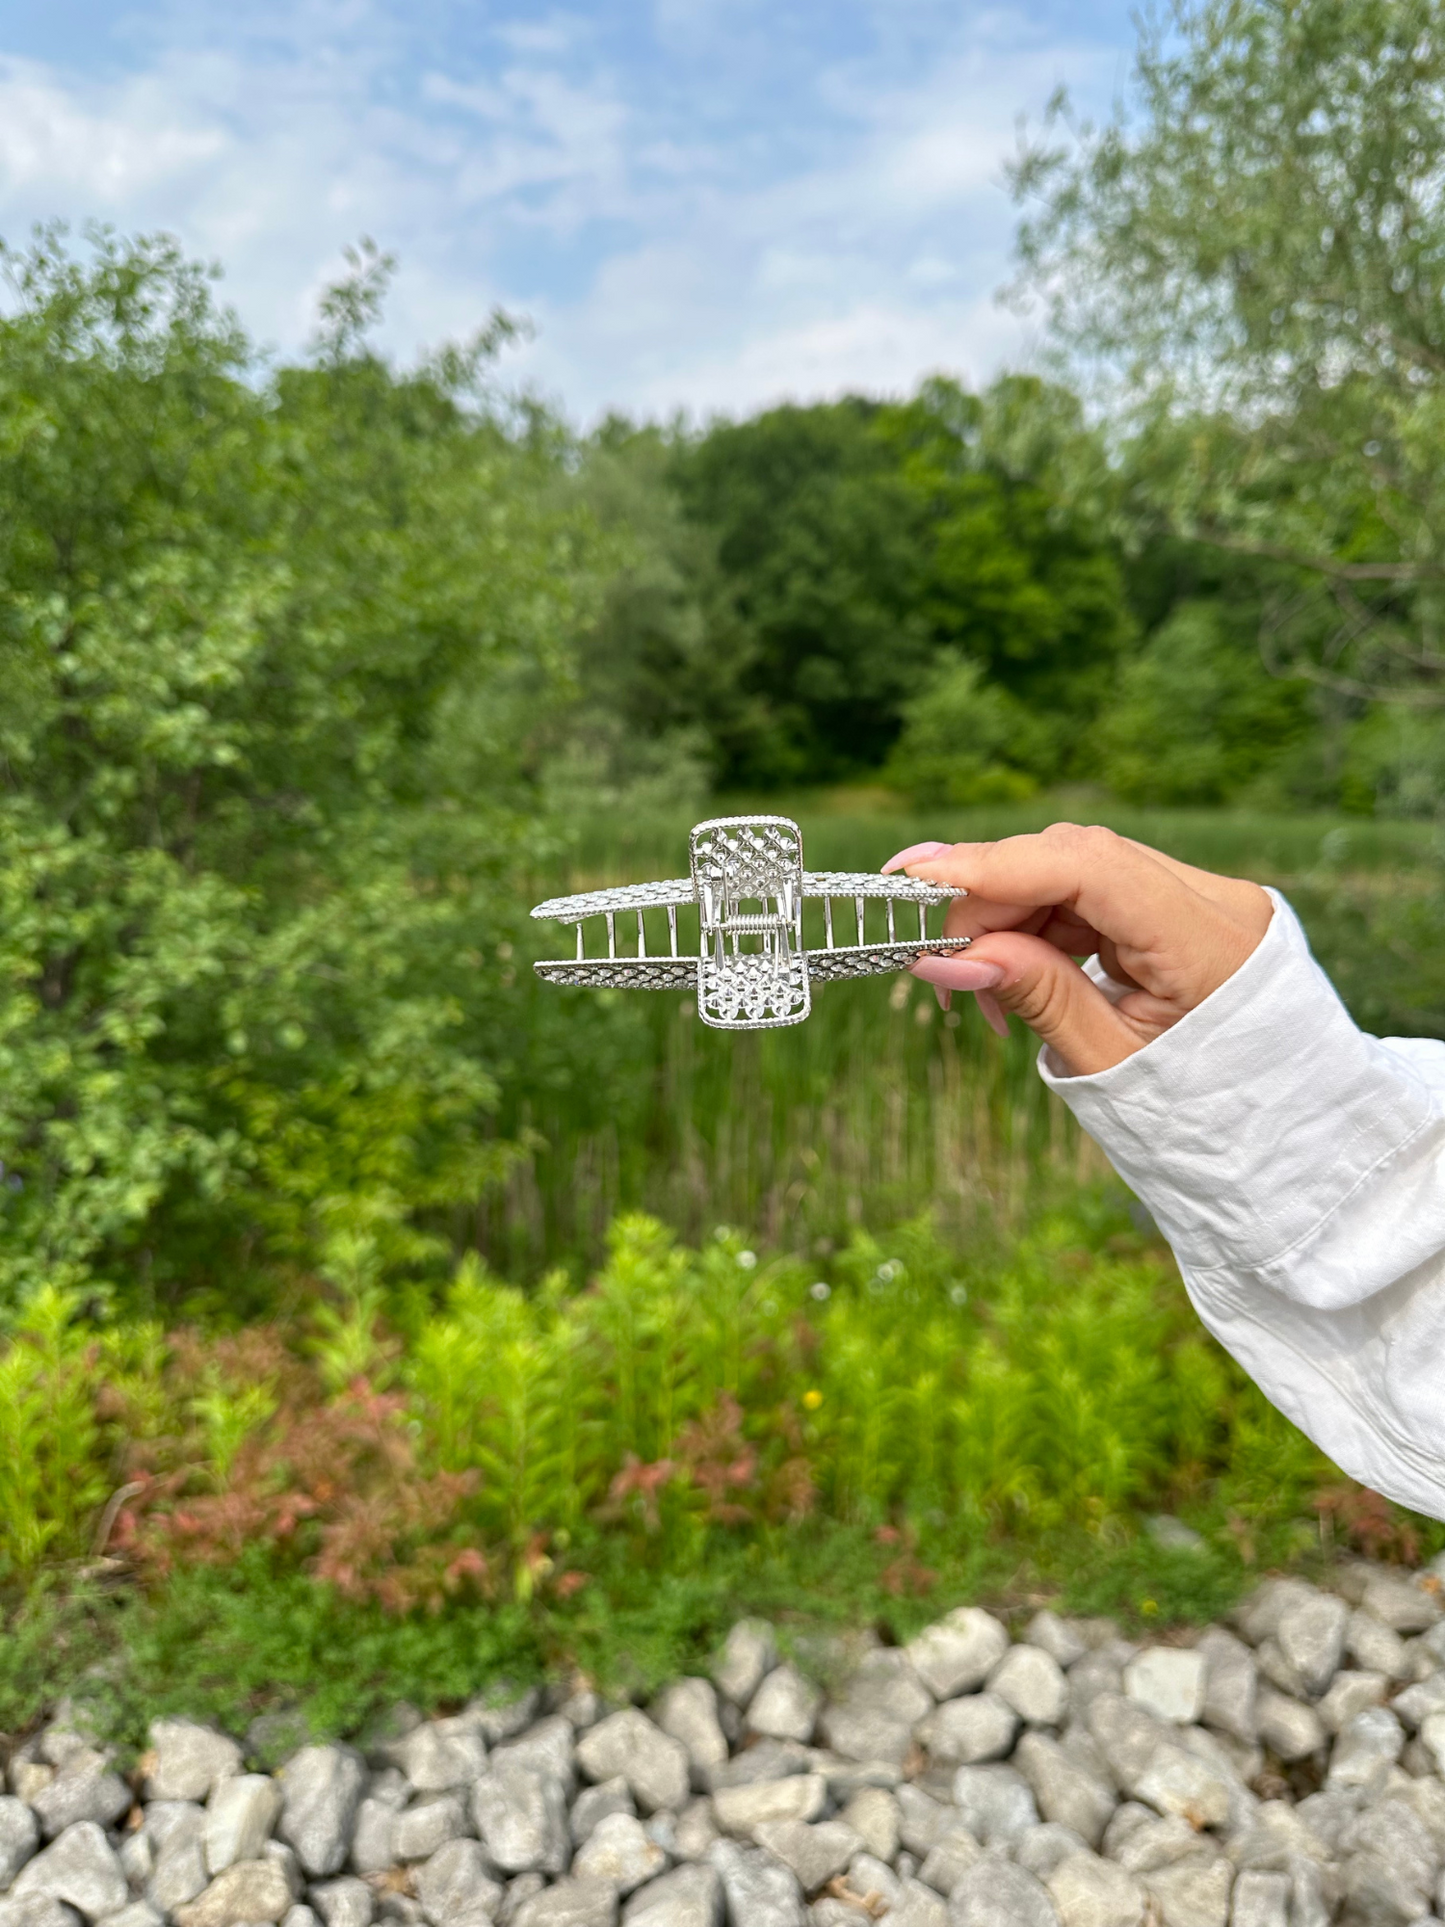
757,862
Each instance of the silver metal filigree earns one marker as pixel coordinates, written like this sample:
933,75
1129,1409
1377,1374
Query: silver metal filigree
751,969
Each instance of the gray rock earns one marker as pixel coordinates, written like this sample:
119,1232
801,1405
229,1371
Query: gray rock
742,1810
420,1830
1352,1693
1258,1616
694,1832
1171,1533
1432,1736
873,1881
1415,1705
767,1760
1261,1900
1059,1638
240,1816
249,1890
548,1748
995,1803
138,1857
522,1819
1280,1671
1168,1682
949,1859
19,1837
139,1913
921,1819
1311,1635
186,1760
457,1885
1142,1841
785,1706
1400,1604
1330,1816
1394,1833
1090,1892
1221,1756
1290,1729
655,1766
1380,1894
814,1853
1063,1790
757,1890
1034,1685
321,1788
1097,1675
1192,1893
594,1803
571,1903
619,1850
687,1897
441,1755
36,1910
346,1902
27,1777
1365,1749
1126,1735
957,1654
180,1872
301,1915
83,1789
687,1712
966,1731
918,1906
503,1713
1375,1648
1044,1847
1176,1782
1230,1683
994,1893
873,1815
519,1890
749,1651
80,1868
371,1837
883,1702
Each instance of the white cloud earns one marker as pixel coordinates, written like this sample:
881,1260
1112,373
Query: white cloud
671,258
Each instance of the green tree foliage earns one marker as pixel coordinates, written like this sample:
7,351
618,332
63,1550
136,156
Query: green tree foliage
274,646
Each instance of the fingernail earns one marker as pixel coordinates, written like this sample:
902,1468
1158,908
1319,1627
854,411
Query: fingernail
959,973
992,1015
944,995
915,853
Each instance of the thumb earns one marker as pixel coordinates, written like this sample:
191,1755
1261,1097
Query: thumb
1047,989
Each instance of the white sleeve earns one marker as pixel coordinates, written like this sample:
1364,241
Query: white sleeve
1297,1168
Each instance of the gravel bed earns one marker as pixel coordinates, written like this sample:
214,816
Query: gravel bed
1284,1770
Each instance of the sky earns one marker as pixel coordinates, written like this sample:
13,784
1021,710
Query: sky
699,205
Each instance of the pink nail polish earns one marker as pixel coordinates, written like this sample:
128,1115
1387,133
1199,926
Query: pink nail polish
992,1015
959,973
944,996
915,853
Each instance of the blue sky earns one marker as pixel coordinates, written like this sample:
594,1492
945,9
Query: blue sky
701,204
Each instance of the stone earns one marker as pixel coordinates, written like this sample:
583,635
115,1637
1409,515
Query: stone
1192,1893
83,1789
27,1777
1365,1749
187,1760
180,1872
873,1814
873,1881
1351,1693
1094,1676
757,1890
1126,1735
345,1902
1168,1682
1311,1635
1063,1791
1033,1684
1260,1900
1381,1894
1142,1841
321,1788
687,1712
1044,1847
440,1756
749,1651
1221,1757
419,1830
1393,1832
503,1713
687,1897
1173,1535
519,1890
1231,1681
1175,1782
80,1868
139,1913
918,1906
921,1819
995,1803
1415,1705
548,1748
618,1850
1400,1604
240,1815
303,1916
1375,1648
19,1837
949,1859
994,1893
880,1706
521,1817
814,1853
248,1890
694,1832
1258,1616
1278,1669
965,1731
1059,1638
594,1803
371,1837
1432,1736
767,1760
137,1857
36,1910
957,1653
743,1809
1090,1892
1290,1729
571,1903
655,1766
785,1706
457,1885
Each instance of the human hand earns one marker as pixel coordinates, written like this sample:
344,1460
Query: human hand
1171,933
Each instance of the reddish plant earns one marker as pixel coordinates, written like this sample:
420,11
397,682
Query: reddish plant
1369,1522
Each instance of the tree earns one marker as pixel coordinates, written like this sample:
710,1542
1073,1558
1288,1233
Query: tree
1253,259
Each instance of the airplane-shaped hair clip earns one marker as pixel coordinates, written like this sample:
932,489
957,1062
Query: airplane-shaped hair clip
750,968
